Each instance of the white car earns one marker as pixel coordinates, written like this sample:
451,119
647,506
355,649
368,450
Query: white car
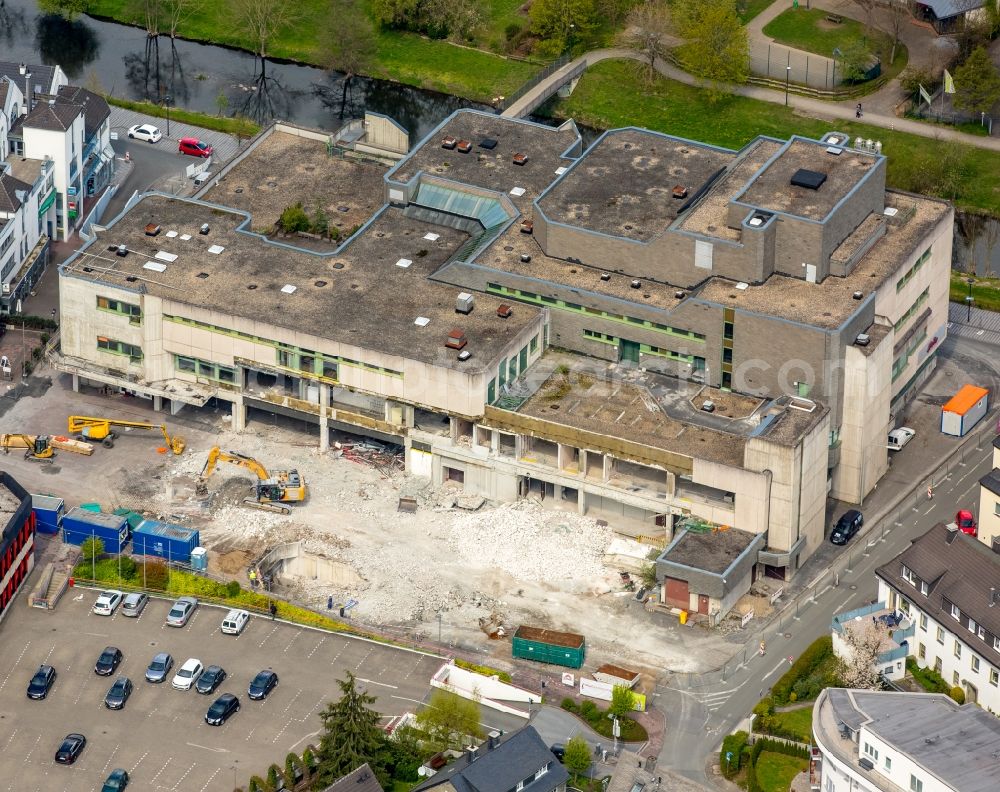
899,438
187,675
146,132
107,602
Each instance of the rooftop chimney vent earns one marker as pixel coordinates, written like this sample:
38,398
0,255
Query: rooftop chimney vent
204,229
858,295
863,339
679,295
525,258
122,251
503,311
680,191
605,276
464,303
636,284
708,406
152,229
456,339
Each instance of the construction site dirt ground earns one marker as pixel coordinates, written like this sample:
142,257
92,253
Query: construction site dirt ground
517,563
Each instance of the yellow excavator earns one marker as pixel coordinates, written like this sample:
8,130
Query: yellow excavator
272,490
36,447
101,430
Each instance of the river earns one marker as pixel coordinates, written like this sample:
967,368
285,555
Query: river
123,61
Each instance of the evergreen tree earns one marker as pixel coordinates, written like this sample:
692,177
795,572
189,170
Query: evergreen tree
351,736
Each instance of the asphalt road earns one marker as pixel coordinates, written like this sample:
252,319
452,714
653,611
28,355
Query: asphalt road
702,710
160,736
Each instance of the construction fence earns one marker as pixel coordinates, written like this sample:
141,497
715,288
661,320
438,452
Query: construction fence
777,62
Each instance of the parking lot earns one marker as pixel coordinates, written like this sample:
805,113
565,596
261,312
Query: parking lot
161,737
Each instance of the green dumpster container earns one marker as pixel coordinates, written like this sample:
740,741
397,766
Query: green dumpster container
549,646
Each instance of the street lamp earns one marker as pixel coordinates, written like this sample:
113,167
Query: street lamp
968,300
167,99
788,76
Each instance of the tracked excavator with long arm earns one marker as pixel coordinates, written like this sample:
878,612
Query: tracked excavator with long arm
36,447
272,492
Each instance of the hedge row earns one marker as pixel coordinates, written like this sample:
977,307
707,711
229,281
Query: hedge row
484,670
815,654
733,745
30,322
775,746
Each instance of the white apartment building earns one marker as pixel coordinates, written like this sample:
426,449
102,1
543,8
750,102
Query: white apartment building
989,502
947,584
871,741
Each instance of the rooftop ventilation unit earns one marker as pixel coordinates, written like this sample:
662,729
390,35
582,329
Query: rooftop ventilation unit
171,234
456,339
464,355
858,295
680,191
204,229
503,311
742,286
488,143
811,180
464,146
215,250
162,255
464,303
288,289
517,192
708,406
891,211
605,276
152,229
863,340
636,284
836,151
155,266
122,251
421,321
527,226
756,221
520,159
404,263
430,236
679,295
449,143
525,258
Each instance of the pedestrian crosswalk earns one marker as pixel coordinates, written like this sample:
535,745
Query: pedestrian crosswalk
716,700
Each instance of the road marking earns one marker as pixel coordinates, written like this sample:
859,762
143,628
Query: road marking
207,748
288,706
302,739
139,762
160,771
404,698
186,773
362,660
774,670
210,778
373,682
112,756
929,510
317,646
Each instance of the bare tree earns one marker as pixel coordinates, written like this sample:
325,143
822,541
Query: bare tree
262,20
175,12
348,43
867,7
648,29
897,14
859,667
149,12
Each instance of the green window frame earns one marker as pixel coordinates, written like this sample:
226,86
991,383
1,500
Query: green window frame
112,305
646,349
533,346
133,352
924,296
562,305
491,391
914,269
205,369
604,338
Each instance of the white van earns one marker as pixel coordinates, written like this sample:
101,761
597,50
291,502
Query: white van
235,621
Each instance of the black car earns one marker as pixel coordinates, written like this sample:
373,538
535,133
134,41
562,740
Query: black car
71,748
847,526
109,661
41,682
558,750
262,684
119,693
210,679
224,706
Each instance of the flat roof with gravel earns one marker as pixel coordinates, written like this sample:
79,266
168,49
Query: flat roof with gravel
362,294
712,551
285,169
773,189
624,184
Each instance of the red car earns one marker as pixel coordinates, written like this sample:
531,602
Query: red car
194,147
966,522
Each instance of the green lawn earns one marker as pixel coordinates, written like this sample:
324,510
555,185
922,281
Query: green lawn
797,721
775,771
748,9
985,295
808,29
405,57
613,94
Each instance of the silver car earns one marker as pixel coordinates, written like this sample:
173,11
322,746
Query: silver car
134,603
159,667
181,611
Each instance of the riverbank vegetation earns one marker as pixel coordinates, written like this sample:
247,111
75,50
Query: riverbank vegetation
615,93
237,125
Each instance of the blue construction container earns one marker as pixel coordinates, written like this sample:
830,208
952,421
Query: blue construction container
49,511
172,542
79,525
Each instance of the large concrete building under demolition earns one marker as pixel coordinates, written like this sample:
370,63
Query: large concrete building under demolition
695,344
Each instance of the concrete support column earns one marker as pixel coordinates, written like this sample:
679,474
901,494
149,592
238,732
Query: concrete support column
453,429
522,445
176,405
76,383
671,484
609,466
562,456
581,502
239,412
324,429
157,403
409,412
494,441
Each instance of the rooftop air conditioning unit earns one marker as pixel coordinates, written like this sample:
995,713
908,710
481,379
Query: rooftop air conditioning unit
636,284
456,339
708,406
858,295
122,251
605,276
863,339
679,295
464,303
503,311
152,229
204,229
525,258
